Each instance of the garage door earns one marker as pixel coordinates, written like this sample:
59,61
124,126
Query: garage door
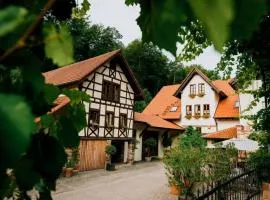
92,154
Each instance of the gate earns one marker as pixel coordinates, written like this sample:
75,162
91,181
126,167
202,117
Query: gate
244,186
92,154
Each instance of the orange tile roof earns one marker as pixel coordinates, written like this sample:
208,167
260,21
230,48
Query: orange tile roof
76,72
60,102
225,86
226,107
227,133
163,102
155,121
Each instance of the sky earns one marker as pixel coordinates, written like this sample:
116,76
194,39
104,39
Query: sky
116,14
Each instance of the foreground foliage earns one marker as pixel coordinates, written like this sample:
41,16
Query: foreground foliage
32,142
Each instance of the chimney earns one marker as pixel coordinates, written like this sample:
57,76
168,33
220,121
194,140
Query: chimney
243,131
239,131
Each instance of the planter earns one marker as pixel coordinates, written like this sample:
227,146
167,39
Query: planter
75,171
110,167
64,169
69,172
266,190
175,190
148,159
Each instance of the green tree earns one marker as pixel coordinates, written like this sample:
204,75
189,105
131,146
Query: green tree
92,39
140,105
149,64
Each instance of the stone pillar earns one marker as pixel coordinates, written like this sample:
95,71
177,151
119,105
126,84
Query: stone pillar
130,159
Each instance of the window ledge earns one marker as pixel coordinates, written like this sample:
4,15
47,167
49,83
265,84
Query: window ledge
192,95
188,116
201,95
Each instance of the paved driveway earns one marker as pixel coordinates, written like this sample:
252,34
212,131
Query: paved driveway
144,181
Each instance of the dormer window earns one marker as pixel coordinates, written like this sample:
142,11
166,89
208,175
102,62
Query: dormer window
192,90
197,111
188,111
206,110
173,109
201,89
237,104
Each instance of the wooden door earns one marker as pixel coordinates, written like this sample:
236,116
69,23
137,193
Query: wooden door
92,154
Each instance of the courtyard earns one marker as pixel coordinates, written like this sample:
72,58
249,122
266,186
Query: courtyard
142,181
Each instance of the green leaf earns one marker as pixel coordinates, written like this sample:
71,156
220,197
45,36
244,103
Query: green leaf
76,96
47,121
10,18
58,44
51,93
216,17
243,30
26,176
160,21
68,133
17,124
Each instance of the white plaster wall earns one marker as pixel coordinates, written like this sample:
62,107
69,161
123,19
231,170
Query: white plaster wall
210,97
246,99
138,151
208,129
160,146
125,151
224,123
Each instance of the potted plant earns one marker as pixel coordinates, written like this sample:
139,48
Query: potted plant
149,144
69,168
110,150
75,158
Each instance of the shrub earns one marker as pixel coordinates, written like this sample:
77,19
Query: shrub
260,160
149,144
110,150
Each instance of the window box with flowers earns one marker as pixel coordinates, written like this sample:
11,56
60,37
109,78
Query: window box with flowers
206,111
188,111
197,111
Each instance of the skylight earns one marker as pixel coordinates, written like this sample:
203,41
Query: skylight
237,104
173,109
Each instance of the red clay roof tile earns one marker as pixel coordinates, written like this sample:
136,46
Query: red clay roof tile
163,103
155,121
227,133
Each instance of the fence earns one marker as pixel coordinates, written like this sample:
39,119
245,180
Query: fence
243,186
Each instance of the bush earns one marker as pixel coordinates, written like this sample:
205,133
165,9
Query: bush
166,140
110,150
260,160
149,144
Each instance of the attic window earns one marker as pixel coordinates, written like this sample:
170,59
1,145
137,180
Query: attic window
173,109
237,104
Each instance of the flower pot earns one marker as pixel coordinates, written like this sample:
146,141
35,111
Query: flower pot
75,171
175,190
64,169
148,159
110,167
69,172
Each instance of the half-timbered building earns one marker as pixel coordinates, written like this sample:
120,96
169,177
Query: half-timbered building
113,90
